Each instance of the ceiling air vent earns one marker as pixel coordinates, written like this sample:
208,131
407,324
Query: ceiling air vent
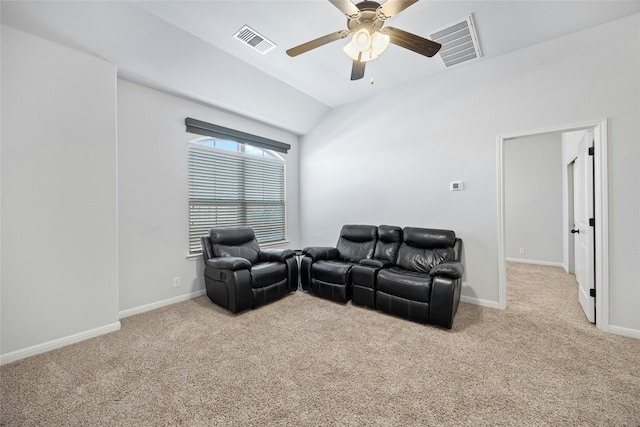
254,40
459,42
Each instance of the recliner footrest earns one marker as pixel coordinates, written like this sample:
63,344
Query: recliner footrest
332,291
412,310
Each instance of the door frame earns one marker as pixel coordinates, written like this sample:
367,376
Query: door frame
601,215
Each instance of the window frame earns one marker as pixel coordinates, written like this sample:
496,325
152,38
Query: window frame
240,153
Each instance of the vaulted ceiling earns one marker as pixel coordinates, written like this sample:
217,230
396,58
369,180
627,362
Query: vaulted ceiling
187,47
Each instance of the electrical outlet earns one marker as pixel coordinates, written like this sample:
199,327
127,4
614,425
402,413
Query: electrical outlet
177,282
521,251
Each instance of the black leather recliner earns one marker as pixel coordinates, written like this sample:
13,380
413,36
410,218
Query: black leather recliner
425,282
238,275
325,271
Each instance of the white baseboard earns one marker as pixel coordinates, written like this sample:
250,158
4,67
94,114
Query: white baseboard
627,332
478,301
158,304
533,261
61,342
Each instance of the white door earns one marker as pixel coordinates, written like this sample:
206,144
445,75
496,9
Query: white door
583,233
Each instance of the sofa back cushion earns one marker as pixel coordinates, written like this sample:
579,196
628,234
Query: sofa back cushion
234,242
389,240
357,242
424,248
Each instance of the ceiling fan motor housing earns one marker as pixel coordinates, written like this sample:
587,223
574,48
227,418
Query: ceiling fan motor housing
369,18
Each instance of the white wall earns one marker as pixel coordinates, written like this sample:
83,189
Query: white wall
76,255
153,193
533,199
59,278
190,64
389,159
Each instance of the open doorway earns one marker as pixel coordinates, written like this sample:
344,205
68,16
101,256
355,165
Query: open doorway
533,193
598,130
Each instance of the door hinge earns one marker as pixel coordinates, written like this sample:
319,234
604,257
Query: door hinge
592,292
591,151
592,222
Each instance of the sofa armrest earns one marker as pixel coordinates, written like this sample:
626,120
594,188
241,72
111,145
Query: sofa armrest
229,263
275,255
445,297
453,270
317,253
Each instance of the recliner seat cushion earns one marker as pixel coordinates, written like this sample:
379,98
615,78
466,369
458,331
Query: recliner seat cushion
331,271
268,273
405,284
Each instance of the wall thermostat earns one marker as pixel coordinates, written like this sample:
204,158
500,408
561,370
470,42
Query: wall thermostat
456,186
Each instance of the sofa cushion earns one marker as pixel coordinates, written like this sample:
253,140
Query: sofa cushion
424,248
331,271
235,242
357,242
404,284
428,237
389,239
422,260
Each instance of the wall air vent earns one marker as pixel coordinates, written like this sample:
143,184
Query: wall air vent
459,42
254,40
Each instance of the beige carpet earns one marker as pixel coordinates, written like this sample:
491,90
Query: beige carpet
307,361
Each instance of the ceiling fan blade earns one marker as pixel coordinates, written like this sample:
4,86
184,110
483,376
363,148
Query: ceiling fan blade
412,42
392,8
347,7
320,41
357,70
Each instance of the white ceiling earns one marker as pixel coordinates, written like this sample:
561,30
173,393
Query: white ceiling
143,37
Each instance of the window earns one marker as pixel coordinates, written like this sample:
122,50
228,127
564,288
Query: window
231,184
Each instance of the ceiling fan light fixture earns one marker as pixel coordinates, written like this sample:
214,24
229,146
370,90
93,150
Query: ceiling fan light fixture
379,42
361,40
351,51
364,47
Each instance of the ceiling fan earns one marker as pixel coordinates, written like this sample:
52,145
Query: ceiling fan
365,21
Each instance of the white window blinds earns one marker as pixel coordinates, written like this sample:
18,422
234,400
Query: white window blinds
232,189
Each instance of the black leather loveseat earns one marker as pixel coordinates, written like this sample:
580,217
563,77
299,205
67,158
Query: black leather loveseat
413,272
238,275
